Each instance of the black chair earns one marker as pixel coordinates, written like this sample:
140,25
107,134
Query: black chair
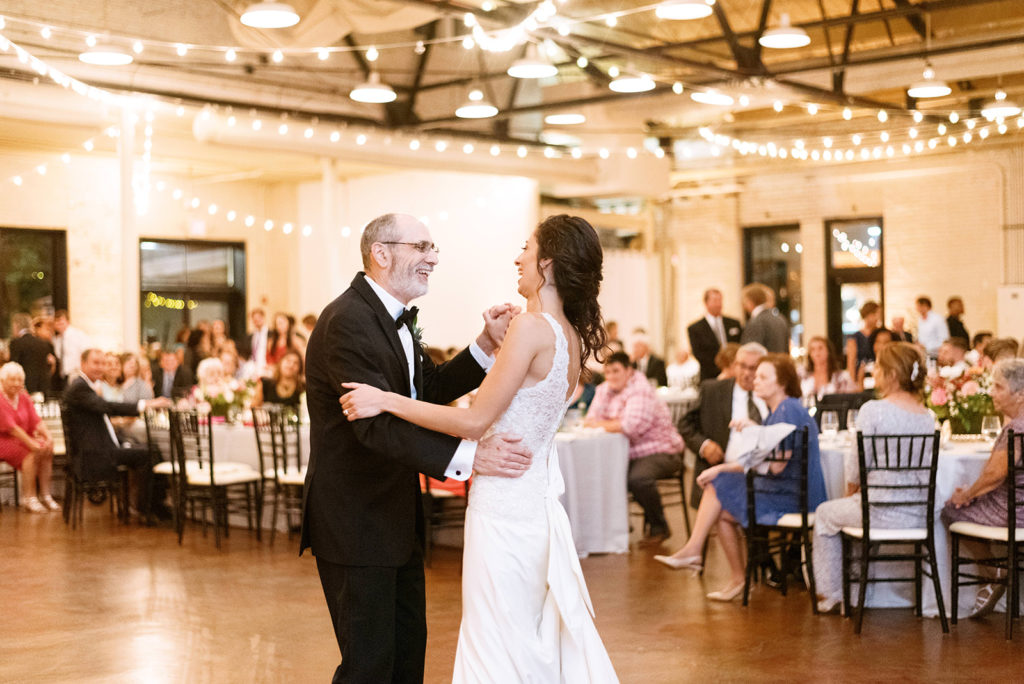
112,486
794,530
841,404
158,439
441,509
1012,563
49,413
219,488
279,444
900,476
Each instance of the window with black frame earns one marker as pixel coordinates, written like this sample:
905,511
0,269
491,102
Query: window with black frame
772,256
184,282
33,273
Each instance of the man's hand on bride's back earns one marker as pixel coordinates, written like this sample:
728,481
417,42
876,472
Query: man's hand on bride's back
496,320
502,456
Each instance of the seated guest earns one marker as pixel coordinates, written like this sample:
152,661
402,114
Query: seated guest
984,502
998,349
866,375
110,381
98,451
822,374
684,371
196,348
899,333
725,485
900,379
952,354
978,344
649,365
25,444
710,333
230,362
172,379
133,389
612,334
285,386
283,339
858,345
725,360
625,402
218,336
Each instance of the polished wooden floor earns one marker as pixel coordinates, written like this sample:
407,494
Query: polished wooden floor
113,603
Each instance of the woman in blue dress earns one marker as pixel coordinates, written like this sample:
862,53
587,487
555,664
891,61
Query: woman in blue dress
724,501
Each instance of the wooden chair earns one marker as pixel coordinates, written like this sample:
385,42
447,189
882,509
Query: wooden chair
49,412
900,476
221,488
793,528
158,438
78,488
441,509
279,445
1012,561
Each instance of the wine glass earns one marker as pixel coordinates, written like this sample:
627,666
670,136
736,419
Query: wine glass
851,419
829,424
990,427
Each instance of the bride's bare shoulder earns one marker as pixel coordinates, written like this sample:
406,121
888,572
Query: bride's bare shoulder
528,329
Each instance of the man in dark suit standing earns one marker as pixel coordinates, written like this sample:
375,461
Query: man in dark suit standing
363,515
34,353
172,379
705,428
955,307
766,325
711,333
97,450
650,366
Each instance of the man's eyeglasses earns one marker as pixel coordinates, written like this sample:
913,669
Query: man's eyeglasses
422,247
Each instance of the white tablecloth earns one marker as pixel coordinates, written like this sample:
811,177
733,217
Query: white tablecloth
960,464
237,443
594,467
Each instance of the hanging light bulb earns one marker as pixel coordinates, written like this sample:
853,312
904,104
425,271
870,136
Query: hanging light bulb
373,91
929,87
532,65
784,35
999,107
269,15
683,10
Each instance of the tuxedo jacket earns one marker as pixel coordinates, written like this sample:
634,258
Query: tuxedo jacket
704,343
362,502
770,329
180,386
33,354
94,451
708,419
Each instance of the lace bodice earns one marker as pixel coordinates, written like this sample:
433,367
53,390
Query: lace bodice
535,414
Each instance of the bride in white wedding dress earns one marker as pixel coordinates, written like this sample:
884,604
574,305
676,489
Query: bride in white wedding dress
526,612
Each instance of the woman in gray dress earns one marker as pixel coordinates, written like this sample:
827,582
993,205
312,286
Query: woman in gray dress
984,502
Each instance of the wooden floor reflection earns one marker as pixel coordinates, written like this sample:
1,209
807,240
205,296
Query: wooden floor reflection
114,603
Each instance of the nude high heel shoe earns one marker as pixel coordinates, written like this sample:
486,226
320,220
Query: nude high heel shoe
688,563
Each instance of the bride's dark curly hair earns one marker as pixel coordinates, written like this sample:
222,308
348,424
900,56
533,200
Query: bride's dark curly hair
576,259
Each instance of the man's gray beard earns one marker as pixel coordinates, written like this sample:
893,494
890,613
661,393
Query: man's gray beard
407,284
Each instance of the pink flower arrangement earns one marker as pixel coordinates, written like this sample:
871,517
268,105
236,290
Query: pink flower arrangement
960,395
939,397
970,388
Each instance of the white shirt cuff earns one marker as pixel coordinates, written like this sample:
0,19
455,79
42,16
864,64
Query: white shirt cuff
142,405
461,465
484,360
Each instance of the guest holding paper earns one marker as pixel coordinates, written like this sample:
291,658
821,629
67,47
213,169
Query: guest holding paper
899,377
823,374
725,486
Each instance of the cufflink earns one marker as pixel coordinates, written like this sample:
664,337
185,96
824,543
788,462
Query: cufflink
459,473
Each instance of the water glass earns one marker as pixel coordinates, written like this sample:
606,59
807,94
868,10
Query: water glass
829,424
851,419
990,427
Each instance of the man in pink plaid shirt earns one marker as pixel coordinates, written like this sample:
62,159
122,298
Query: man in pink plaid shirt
625,402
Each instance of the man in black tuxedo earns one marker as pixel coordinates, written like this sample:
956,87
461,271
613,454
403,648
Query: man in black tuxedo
97,450
705,428
711,333
34,353
172,379
650,366
766,325
363,515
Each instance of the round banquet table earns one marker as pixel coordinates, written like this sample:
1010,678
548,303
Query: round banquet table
594,464
960,464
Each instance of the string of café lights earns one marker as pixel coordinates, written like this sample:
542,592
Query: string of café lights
796,149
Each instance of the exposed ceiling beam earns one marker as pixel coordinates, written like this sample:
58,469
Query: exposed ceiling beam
839,77
747,59
429,31
915,20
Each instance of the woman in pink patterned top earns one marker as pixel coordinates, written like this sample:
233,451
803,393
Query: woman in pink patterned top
24,441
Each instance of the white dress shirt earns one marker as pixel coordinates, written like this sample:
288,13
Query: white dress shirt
717,327
932,331
739,410
68,347
461,465
259,348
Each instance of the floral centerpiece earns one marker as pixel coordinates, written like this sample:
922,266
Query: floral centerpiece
960,394
225,398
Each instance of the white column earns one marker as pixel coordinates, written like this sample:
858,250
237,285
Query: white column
130,323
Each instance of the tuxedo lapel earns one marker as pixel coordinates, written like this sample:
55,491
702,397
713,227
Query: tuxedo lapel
386,323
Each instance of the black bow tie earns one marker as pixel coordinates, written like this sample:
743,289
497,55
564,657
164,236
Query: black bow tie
407,317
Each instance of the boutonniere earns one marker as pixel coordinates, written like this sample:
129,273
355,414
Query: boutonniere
417,332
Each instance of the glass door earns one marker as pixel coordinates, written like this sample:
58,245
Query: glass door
853,273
